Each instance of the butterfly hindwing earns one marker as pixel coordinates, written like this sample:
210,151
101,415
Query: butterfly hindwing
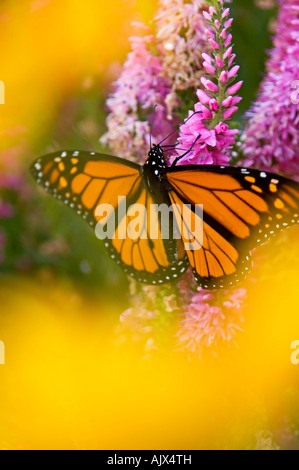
241,209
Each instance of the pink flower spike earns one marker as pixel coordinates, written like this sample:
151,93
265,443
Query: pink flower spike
233,72
212,11
229,23
207,57
236,100
217,24
209,67
198,123
206,113
214,44
219,62
207,15
197,108
228,40
229,112
231,60
221,127
223,35
209,85
209,33
203,97
228,102
225,14
228,53
235,88
214,106
223,76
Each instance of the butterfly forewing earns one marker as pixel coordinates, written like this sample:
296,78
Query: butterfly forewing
85,181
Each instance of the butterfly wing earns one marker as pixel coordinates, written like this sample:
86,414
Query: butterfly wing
241,209
84,181
147,257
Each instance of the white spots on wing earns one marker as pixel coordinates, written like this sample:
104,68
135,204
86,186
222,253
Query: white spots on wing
64,154
38,166
263,174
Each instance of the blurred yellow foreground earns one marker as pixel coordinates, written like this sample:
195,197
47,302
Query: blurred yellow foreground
67,384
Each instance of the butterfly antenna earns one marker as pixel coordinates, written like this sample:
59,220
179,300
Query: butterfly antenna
152,124
175,130
188,151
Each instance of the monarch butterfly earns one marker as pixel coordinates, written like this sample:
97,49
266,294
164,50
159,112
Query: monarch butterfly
242,209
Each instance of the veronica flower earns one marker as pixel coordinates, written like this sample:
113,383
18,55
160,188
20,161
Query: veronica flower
192,49
211,318
181,38
207,133
139,88
271,137
157,71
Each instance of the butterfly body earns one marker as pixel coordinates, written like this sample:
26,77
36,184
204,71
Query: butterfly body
242,208
154,171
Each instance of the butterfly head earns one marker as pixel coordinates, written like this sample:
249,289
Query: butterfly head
156,160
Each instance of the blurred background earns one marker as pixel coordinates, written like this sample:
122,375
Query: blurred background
70,380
